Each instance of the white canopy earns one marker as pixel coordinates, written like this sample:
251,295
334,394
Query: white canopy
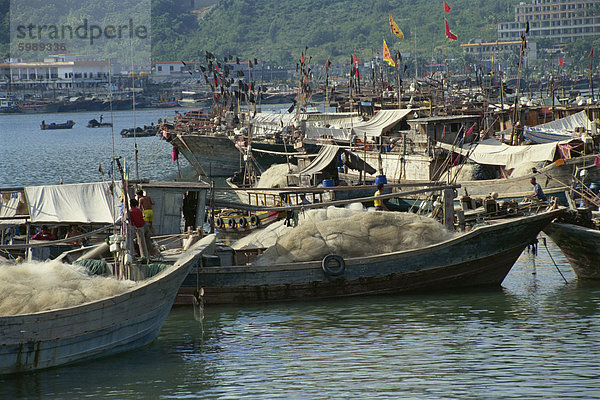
492,152
383,120
75,203
8,209
561,129
269,123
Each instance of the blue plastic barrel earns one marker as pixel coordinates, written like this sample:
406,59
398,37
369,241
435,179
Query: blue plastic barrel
380,179
328,183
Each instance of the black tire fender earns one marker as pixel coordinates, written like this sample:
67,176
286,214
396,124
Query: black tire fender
334,259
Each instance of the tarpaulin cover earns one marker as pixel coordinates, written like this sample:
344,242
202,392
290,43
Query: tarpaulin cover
328,154
75,203
382,121
492,152
8,209
270,123
561,129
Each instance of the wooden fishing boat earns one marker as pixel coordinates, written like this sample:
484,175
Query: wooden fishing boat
480,257
147,131
94,123
577,235
67,125
580,245
95,329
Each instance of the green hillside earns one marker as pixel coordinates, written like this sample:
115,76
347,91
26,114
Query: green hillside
278,30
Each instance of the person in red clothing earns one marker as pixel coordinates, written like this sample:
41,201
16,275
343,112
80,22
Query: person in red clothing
142,231
44,234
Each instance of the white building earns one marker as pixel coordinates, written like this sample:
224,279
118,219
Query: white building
56,72
562,20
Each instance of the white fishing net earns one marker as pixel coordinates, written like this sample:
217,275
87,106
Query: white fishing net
41,286
277,176
348,232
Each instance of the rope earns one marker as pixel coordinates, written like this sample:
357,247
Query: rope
548,250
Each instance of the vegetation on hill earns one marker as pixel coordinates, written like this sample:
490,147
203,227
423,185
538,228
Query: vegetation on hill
278,30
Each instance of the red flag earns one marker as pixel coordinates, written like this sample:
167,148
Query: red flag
328,63
444,131
302,59
561,61
449,34
469,131
592,53
446,7
355,59
468,69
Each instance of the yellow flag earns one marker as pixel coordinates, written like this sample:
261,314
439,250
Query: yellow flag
387,56
395,30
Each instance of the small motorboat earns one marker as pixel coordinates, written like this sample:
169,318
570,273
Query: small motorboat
67,125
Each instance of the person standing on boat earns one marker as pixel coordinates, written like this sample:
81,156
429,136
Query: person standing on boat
538,193
142,231
379,204
146,204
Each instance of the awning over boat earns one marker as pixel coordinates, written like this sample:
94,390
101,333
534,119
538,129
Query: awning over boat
337,126
317,132
75,203
270,123
561,129
8,209
329,153
493,152
380,123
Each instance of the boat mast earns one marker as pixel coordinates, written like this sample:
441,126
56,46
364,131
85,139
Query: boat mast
137,171
513,136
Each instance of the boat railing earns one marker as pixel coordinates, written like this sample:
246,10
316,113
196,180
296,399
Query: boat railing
47,243
249,207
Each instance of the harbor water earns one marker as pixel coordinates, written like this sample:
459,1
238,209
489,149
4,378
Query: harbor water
536,337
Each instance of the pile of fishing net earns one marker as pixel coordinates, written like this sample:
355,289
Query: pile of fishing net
348,232
41,286
277,176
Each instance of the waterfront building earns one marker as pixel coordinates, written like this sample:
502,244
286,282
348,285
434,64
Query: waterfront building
62,71
561,20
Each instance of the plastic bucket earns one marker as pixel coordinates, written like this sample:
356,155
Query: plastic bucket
379,179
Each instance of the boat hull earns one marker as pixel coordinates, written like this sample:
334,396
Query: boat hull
113,325
209,155
482,257
580,246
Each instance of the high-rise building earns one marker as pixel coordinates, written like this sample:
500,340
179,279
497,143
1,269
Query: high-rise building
561,20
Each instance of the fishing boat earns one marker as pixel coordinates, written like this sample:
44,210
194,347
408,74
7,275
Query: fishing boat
580,245
94,123
146,131
67,125
95,329
34,107
478,258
